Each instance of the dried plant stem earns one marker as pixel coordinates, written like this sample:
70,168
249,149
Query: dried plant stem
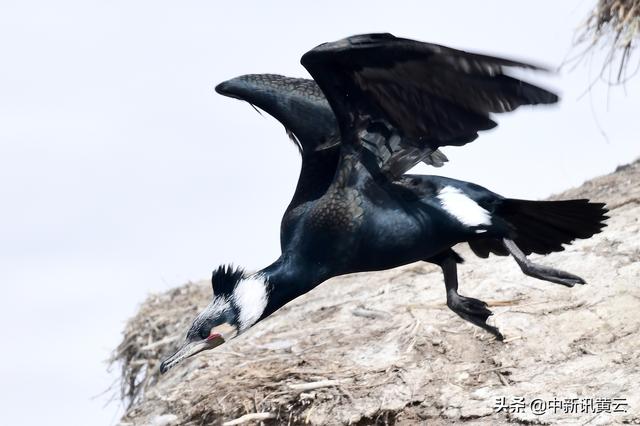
613,25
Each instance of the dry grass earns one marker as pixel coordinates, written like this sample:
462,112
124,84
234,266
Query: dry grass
613,26
148,337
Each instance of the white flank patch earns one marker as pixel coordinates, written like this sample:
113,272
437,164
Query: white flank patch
250,296
463,208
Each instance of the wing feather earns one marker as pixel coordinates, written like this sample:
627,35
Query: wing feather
298,103
414,97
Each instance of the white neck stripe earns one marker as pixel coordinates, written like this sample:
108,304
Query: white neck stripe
250,296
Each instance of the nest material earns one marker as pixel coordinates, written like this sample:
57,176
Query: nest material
152,334
383,348
613,25
274,371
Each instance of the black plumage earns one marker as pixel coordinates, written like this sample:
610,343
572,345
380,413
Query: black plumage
428,95
225,278
378,106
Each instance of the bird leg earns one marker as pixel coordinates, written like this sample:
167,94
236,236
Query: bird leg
539,271
473,310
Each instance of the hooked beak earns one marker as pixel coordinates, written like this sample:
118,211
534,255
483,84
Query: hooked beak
189,349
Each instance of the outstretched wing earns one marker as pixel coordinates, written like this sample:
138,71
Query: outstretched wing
300,105
401,99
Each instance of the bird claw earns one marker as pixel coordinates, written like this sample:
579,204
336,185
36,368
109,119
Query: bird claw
473,310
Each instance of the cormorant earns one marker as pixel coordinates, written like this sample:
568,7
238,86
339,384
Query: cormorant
378,106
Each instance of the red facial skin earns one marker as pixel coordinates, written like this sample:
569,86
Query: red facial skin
213,336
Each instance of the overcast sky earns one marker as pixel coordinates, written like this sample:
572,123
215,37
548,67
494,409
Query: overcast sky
123,173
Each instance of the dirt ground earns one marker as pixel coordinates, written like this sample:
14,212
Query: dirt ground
383,348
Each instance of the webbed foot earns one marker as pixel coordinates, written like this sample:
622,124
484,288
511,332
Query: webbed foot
473,310
539,271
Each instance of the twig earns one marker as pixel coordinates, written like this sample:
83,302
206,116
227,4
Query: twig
315,385
511,339
161,342
306,418
238,354
590,420
413,333
488,370
509,302
370,313
502,379
249,418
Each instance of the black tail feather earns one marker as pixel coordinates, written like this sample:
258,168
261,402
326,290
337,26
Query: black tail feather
544,226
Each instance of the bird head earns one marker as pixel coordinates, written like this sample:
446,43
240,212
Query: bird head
239,300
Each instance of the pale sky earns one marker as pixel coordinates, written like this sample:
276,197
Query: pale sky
122,173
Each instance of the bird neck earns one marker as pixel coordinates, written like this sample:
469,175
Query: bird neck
287,279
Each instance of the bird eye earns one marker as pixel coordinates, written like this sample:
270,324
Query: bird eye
204,332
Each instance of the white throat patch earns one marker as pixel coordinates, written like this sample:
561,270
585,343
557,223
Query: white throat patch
463,208
250,296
